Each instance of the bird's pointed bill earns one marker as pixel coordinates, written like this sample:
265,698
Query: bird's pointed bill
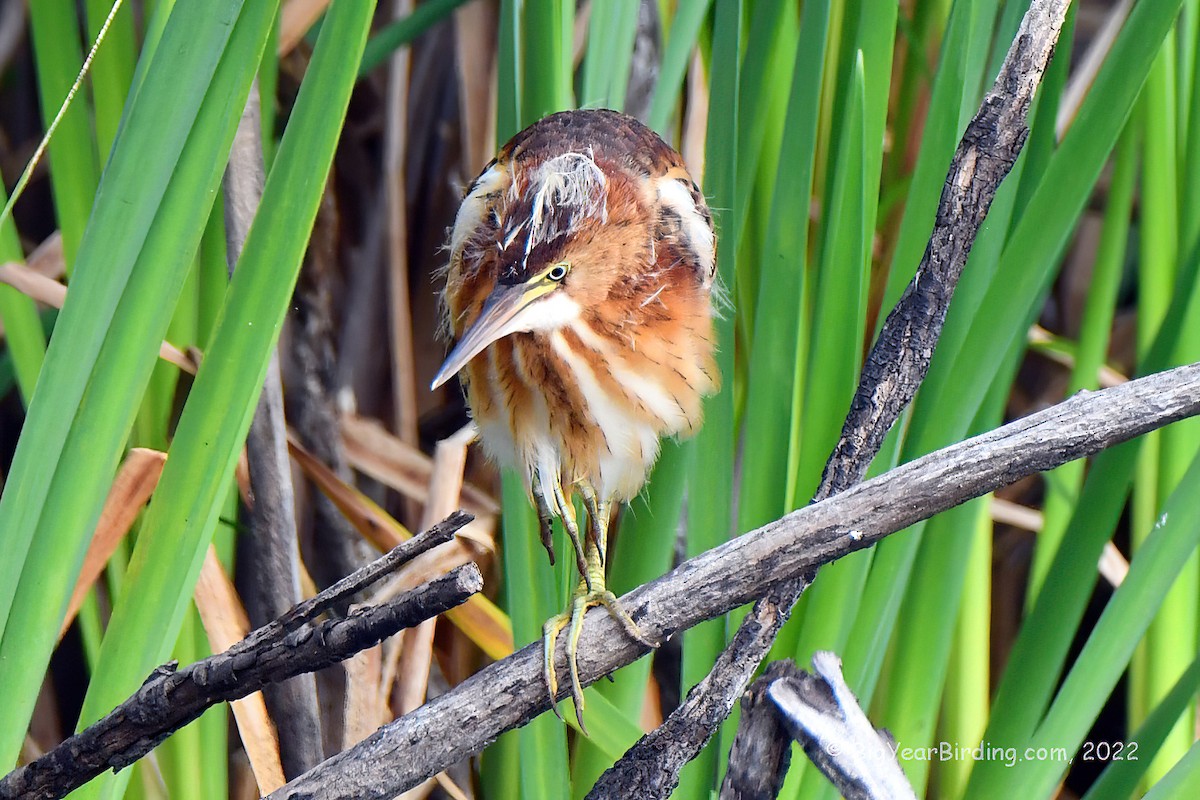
500,316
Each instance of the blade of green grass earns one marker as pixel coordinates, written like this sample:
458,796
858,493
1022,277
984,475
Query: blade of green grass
403,31
781,296
1156,266
499,768
1063,485
960,66
155,27
183,514
681,41
74,167
612,27
869,35
772,168
535,593
1120,778
1158,230
965,698
112,68
1188,31
919,38
770,47
148,215
1189,153
548,31
23,336
839,317
1111,643
213,275
709,501
876,41
1182,781
912,695
509,72
1171,637
839,304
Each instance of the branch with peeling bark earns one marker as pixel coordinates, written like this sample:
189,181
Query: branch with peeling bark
824,716
509,693
821,713
289,646
272,553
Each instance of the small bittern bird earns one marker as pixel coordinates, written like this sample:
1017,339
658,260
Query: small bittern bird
579,290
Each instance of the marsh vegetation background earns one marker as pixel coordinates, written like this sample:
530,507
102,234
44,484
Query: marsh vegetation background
1060,614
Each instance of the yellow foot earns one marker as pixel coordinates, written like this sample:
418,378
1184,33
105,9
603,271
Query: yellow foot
574,618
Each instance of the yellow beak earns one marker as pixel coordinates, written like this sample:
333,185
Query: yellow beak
497,319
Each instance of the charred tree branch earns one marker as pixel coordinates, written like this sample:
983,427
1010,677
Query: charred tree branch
170,698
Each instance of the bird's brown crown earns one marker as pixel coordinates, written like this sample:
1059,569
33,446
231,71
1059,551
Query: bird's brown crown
594,190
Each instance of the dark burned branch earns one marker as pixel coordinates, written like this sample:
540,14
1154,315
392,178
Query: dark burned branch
361,578
170,698
893,371
761,739
509,693
989,147
823,715
272,553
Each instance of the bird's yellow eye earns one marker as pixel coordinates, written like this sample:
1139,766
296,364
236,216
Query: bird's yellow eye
558,272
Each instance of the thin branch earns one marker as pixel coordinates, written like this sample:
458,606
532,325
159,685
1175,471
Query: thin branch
360,579
270,557
171,698
893,372
509,693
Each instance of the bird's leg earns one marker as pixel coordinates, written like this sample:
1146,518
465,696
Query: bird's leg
555,625
598,517
592,591
545,519
566,510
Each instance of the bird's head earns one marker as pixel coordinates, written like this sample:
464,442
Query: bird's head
538,241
